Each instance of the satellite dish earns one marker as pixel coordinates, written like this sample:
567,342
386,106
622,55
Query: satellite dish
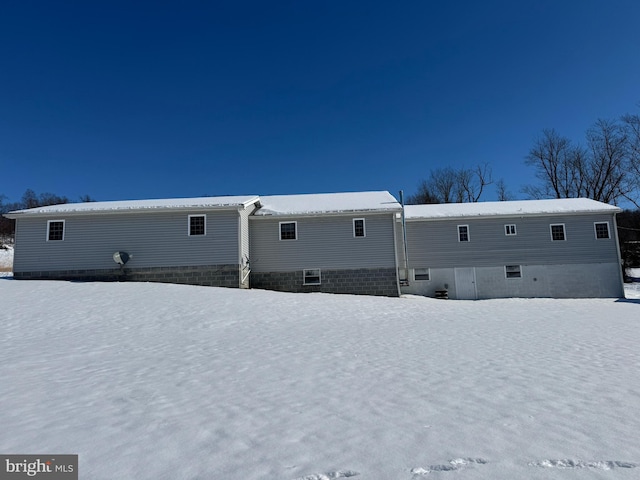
121,258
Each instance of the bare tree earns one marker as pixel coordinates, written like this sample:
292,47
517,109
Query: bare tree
501,190
559,165
7,227
423,196
444,183
448,185
31,200
603,171
472,181
632,127
607,173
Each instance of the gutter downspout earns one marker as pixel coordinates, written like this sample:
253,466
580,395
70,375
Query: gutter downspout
395,253
404,241
240,258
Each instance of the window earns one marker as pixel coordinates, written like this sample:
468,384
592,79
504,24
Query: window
55,230
311,276
463,233
358,227
288,231
557,232
512,271
602,229
197,225
510,229
421,274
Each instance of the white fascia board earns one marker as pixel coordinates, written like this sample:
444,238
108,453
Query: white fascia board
48,213
346,213
468,218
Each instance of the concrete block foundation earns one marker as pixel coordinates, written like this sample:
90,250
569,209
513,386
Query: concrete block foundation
210,276
362,281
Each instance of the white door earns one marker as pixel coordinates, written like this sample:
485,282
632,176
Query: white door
466,283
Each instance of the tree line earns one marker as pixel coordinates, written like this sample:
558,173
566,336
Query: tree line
605,167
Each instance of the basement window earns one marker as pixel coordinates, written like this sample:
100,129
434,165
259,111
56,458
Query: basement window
557,232
421,274
513,271
358,227
288,231
197,225
602,229
55,230
311,276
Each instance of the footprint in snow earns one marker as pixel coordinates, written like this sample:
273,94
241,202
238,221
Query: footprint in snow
329,475
453,465
568,463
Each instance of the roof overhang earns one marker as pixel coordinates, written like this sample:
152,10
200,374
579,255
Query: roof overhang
512,209
138,206
327,204
343,213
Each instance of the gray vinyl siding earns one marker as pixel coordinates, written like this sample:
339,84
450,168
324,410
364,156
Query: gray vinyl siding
322,242
154,239
435,243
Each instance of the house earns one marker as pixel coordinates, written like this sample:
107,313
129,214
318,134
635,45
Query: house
533,248
338,243
356,242
200,241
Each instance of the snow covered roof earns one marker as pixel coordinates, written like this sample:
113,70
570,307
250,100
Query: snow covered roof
508,209
138,205
333,203
327,203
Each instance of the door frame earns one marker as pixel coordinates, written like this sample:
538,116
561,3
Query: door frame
463,275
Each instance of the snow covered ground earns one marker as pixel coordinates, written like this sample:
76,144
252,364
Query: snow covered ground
152,381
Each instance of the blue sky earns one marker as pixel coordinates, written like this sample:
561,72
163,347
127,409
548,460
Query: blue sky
129,100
